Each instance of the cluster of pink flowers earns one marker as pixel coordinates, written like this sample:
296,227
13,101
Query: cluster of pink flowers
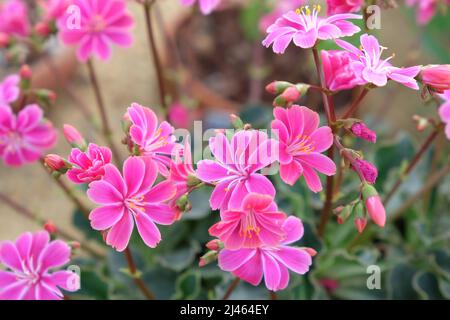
29,261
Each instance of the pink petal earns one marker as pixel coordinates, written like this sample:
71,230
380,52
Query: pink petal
133,174
40,241
119,235
312,179
296,259
290,172
9,256
293,228
251,271
161,213
237,195
56,254
306,39
105,217
211,171
260,184
322,139
113,176
148,230
272,274
66,280
230,260
319,162
102,192
162,192
220,195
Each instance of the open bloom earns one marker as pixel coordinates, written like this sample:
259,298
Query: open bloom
305,28
301,142
206,6
368,64
14,18
88,166
156,142
436,76
25,137
235,169
338,70
9,90
444,112
130,199
101,23
281,7
274,262
258,222
29,261
343,6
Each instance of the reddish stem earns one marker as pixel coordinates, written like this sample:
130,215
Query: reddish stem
231,288
137,280
355,104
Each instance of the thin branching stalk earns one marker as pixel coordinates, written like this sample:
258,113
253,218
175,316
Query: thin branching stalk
134,274
231,288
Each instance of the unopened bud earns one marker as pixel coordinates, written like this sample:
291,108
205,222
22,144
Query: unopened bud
56,163
236,122
4,40
215,245
360,130
193,181
74,137
183,203
374,206
277,87
367,170
360,224
208,257
421,122
42,29
25,72
50,227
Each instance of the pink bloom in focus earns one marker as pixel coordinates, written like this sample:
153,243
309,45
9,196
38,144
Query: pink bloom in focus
338,70
54,9
301,142
14,18
274,262
436,76
25,137
88,166
130,199
258,222
360,130
425,9
281,7
343,6
444,112
156,142
28,261
305,28
9,90
367,63
179,115
235,169
102,23
206,6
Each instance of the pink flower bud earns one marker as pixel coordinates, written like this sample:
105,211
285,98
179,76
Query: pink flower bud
179,115
213,245
25,72
291,94
436,76
312,252
73,136
54,162
376,210
42,29
360,224
4,40
367,169
277,87
50,227
202,262
360,130
329,285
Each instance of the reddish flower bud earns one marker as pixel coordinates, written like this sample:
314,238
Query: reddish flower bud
360,130
367,169
50,227
329,285
42,29
436,76
214,245
376,210
4,40
75,245
360,224
73,136
55,162
277,87
312,252
291,94
25,72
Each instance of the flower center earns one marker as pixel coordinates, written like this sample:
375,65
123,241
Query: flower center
29,274
12,140
310,18
301,145
249,226
135,204
97,24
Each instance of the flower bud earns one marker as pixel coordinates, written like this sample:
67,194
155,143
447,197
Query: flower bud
74,245
56,163
25,72
421,122
367,170
312,252
4,40
360,130
50,227
193,181
208,257
360,224
183,203
436,77
374,205
74,137
215,244
289,96
277,87
42,29
236,122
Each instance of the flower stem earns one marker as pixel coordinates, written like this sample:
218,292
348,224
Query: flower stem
106,129
414,161
354,106
231,288
331,117
34,217
147,5
133,270
273,295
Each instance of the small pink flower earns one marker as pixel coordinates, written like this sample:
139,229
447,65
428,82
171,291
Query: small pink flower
281,7
9,90
54,9
367,170
235,169
444,112
272,262
360,130
258,222
102,23
179,115
28,262
14,18
156,142
343,6
425,9
131,198
436,76
367,63
25,137
301,142
306,27
88,166
338,70
206,6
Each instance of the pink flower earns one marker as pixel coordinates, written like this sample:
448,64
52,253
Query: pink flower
444,112
155,142
367,63
102,23
206,6
90,165
360,130
300,145
179,115
28,261
281,7
338,70
425,9
9,90
14,18
258,222
436,76
54,9
131,198
274,262
343,6
25,137
306,27
235,169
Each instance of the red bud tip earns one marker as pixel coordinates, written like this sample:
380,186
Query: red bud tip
25,72
4,40
42,29
271,88
50,227
376,210
202,262
72,135
75,245
213,245
360,224
54,162
312,252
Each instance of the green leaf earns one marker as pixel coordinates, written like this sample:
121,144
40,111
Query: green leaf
400,283
93,286
427,286
179,259
188,285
